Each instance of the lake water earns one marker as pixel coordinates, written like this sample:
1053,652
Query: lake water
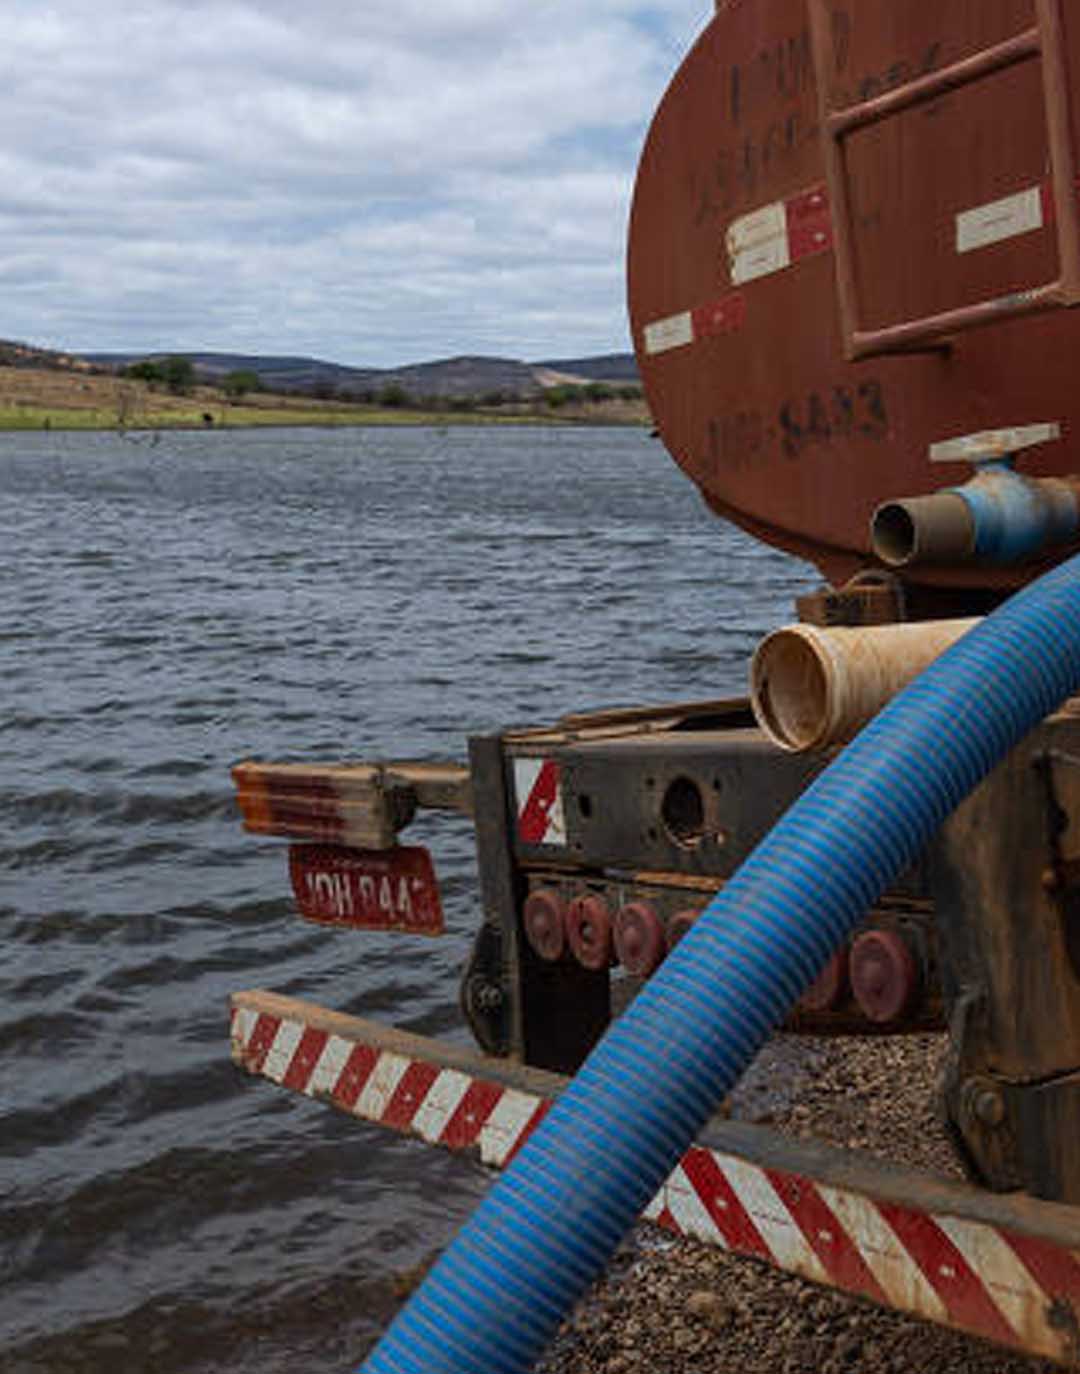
171,605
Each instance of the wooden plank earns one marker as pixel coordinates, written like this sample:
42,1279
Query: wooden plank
362,805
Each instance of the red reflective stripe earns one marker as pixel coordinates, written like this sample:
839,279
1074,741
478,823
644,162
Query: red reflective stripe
826,1235
533,820
948,1273
669,1223
1056,1271
257,1048
721,1202
415,1083
464,1127
724,316
542,1109
358,1069
305,1057
809,224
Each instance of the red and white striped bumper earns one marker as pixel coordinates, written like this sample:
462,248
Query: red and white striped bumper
1005,1268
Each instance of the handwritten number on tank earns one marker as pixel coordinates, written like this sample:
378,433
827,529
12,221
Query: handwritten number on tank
840,413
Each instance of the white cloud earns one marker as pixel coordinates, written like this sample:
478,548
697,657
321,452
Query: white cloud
376,184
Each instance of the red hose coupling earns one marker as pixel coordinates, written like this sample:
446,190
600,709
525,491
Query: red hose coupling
588,931
639,938
543,917
884,976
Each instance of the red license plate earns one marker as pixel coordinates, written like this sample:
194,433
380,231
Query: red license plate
385,889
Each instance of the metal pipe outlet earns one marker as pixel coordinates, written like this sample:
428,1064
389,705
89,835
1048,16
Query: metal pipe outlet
999,517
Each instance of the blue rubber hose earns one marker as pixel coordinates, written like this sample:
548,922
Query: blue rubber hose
549,1225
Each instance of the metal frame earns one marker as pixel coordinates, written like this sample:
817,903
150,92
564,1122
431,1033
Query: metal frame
1045,41
515,1003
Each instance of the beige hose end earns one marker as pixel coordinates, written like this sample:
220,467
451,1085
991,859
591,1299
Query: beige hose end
812,687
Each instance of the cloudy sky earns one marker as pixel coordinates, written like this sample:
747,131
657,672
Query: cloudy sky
374,183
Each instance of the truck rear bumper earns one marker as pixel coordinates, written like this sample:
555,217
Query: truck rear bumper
1006,1268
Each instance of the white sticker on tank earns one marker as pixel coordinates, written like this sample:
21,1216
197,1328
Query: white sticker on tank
674,332
760,226
1001,219
760,261
758,244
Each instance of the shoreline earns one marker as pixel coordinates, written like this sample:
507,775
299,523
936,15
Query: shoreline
77,423
40,399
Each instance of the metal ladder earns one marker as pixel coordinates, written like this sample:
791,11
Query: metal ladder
1044,42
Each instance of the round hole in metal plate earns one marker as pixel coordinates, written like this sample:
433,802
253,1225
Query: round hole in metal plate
683,812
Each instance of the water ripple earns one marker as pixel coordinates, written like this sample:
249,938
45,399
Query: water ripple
290,595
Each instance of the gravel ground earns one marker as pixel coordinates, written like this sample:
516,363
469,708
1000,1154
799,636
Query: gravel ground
671,1306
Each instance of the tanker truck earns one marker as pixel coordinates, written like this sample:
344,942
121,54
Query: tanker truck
853,262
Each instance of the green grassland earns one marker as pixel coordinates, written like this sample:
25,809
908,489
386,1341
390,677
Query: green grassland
28,416
58,399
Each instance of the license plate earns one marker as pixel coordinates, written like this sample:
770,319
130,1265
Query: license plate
385,889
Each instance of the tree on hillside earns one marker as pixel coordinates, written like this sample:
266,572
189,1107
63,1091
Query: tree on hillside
239,382
394,396
178,374
144,371
562,395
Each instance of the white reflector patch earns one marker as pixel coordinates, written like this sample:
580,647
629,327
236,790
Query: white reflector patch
1001,219
758,244
675,332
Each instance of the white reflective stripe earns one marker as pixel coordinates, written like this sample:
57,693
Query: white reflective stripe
1001,219
388,1072
527,773
442,1101
758,244
500,1133
556,821
674,332
329,1065
659,1202
689,1212
1016,1295
760,261
774,1222
886,1258
758,227
289,1035
243,1026
993,443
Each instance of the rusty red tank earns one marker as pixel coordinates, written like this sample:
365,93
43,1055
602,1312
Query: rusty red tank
854,236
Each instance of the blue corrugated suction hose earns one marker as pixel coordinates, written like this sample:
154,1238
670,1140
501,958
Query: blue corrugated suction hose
495,1298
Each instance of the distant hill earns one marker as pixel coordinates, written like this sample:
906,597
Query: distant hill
13,354
608,367
445,378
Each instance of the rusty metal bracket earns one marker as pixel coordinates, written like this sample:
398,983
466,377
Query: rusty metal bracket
871,597
976,1107
1061,877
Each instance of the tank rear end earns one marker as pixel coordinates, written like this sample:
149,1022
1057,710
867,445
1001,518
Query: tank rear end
853,240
